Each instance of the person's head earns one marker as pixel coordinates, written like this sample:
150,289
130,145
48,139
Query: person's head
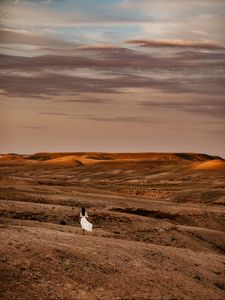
83,211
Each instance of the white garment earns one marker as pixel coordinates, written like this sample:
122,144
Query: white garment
85,224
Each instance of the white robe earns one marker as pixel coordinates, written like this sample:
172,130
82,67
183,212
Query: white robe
85,224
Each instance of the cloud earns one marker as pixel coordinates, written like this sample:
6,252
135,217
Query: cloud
64,14
85,100
100,69
202,56
34,127
209,45
55,114
177,18
215,108
28,37
54,84
136,119
113,58
97,118
173,10
98,47
75,50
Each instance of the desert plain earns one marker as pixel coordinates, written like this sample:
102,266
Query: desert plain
158,226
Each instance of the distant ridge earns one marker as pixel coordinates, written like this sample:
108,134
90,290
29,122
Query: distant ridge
198,161
11,156
42,156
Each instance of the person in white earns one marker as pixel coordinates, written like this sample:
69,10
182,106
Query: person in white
83,220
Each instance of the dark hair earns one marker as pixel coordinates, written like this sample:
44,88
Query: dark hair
83,211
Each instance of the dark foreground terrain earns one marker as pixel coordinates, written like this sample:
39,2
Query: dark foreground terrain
159,226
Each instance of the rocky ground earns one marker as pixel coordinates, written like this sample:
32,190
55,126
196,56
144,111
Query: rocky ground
159,227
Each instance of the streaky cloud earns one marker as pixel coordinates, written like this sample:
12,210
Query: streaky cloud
27,37
176,44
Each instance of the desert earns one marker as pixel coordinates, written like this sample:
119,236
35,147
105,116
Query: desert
158,226
112,161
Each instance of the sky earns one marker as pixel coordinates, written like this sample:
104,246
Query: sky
112,76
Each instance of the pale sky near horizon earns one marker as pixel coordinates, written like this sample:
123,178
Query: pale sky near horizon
112,76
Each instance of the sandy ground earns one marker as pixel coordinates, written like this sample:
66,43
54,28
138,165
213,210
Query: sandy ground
158,228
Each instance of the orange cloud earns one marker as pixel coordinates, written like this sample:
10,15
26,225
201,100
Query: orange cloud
176,43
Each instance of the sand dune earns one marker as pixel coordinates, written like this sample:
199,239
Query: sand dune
71,160
216,164
65,160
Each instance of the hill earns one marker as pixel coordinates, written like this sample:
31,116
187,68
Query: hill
126,156
217,164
